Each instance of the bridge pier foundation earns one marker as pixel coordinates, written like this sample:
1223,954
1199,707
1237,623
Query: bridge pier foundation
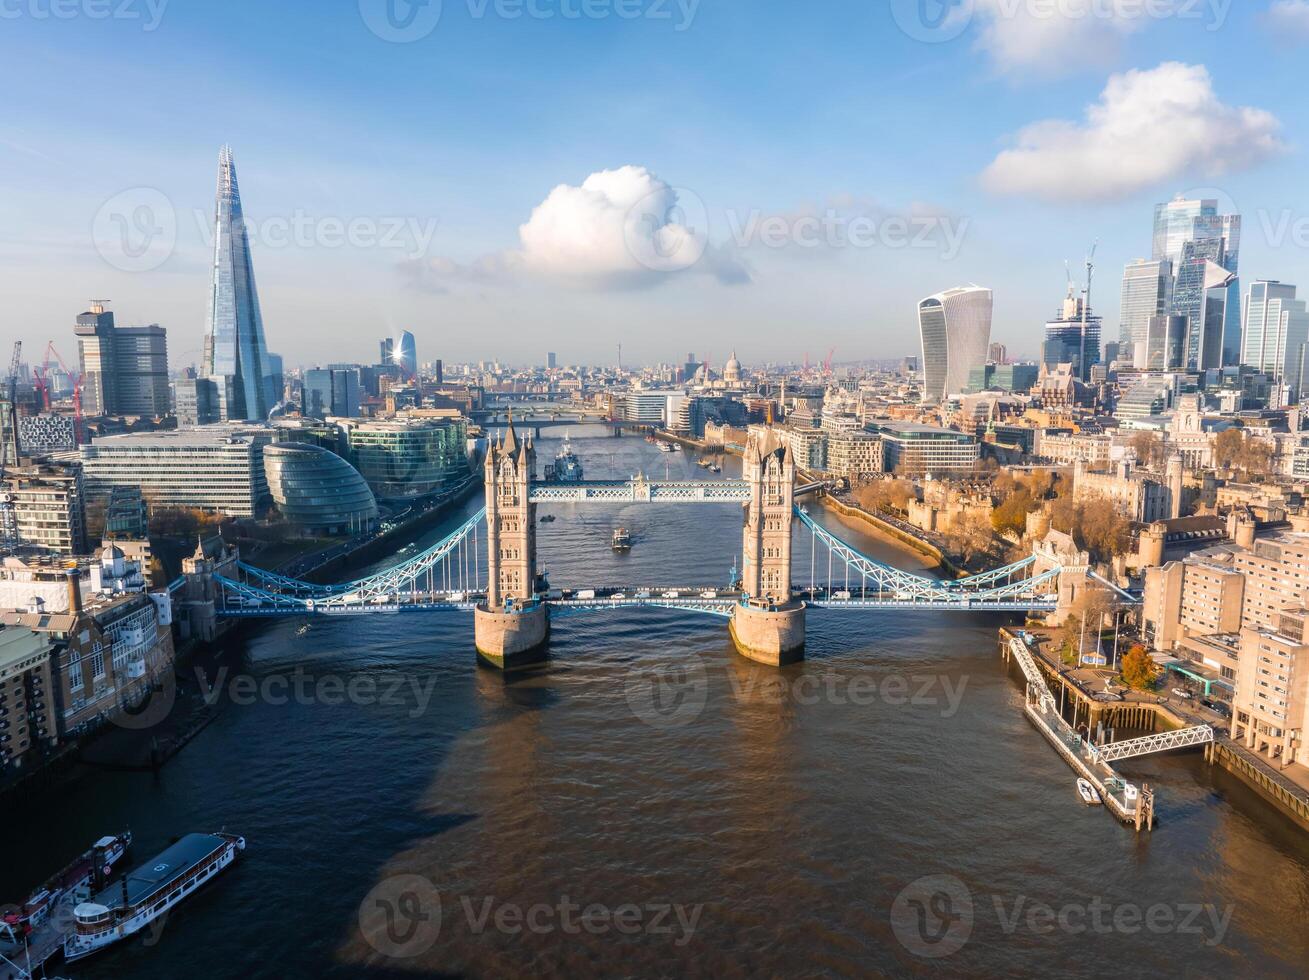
506,640
769,635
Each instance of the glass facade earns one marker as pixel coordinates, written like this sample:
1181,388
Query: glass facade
1276,331
316,490
1145,295
234,347
1190,234
956,333
409,458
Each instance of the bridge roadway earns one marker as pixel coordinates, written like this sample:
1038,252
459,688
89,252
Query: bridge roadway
718,602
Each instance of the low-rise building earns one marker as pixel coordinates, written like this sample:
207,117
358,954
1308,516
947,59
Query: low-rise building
109,643
1135,494
854,455
43,508
27,722
910,449
213,467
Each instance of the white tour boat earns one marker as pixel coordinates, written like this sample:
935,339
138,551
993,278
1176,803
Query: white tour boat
1087,792
149,892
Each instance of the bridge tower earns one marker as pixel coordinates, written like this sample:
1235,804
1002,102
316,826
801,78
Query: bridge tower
511,627
769,625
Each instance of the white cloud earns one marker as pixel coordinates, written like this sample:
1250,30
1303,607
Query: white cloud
1148,128
1055,37
1290,18
621,229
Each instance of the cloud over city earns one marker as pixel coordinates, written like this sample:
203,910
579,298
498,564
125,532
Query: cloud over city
620,229
1149,127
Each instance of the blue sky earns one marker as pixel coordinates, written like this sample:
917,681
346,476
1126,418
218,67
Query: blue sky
732,113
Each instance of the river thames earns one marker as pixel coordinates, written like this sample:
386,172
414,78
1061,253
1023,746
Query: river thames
649,803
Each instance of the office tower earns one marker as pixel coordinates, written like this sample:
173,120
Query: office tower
1145,295
1164,347
1190,234
1276,331
124,369
438,371
331,391
235,353
955,326
551,361
1111,349
402,353
1073,338
95,331
1220,338
276,378
998,354
196,401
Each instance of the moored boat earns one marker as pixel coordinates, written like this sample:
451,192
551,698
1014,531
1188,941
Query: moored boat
148,893
1087,792
87,873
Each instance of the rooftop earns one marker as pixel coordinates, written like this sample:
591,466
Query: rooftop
17,643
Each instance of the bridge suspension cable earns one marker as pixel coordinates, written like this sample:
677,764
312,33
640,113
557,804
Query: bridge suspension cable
868,580
452,565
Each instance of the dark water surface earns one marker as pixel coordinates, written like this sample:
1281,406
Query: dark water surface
723,819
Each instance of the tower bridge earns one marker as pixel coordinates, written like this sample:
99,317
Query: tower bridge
497,579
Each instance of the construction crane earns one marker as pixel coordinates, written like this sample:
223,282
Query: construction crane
15,363
827,364
1086,306
76,380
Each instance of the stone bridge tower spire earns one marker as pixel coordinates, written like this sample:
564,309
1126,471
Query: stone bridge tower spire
769,469
512,625
510,528
769,624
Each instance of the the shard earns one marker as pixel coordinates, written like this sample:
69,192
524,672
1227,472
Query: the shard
235,354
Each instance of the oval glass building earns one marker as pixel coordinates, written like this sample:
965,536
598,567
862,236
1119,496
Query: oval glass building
318,491
956,331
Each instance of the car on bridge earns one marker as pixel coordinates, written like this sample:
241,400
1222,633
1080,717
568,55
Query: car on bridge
708,594
672,594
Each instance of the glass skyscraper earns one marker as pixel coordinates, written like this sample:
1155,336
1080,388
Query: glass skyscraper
1145,296
235,354
1276,332
401,352
1072,338
1191,235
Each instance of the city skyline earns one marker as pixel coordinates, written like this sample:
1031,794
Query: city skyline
457,238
